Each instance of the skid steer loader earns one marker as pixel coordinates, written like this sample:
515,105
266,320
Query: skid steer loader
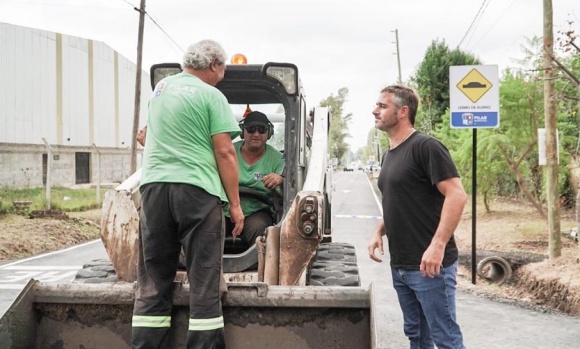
303,231
296,288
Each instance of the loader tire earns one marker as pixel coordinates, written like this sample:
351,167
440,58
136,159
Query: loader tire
336,251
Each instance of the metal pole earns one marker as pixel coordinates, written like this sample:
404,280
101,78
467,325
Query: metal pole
474,209
98,174
137,87
48,173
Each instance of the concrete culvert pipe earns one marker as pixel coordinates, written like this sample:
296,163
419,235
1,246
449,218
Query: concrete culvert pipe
494,269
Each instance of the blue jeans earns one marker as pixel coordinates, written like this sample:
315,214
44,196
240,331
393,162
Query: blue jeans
428,306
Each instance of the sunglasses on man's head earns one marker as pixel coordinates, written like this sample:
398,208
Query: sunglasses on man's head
252,129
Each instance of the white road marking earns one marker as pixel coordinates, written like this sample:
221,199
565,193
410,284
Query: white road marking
379,205
356,216
40,275
11,286
48,254
44,267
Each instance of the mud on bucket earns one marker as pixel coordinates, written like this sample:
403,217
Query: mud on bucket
494,269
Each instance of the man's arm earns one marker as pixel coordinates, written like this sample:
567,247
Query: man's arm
272,180
227,163
377,241
455,199
141,136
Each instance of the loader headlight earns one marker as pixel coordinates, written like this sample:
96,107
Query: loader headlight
160,71
288,76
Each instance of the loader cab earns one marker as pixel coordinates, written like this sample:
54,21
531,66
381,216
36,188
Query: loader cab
274,89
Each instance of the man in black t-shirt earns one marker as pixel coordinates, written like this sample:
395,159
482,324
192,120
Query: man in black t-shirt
422,199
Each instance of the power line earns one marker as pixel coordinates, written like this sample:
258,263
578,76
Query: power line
164,32
476,24
480,11
58,4
504,12
130,4
156,24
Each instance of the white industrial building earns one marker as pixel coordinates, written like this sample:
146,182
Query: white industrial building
70,97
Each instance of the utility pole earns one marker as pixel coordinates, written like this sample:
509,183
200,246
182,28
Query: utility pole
555,240
396,31
142,12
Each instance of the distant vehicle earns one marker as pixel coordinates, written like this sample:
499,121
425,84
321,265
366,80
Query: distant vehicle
348,169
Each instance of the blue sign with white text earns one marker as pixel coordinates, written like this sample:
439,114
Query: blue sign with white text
474,119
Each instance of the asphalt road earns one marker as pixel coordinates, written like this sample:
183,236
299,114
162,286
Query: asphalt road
485,323
59,266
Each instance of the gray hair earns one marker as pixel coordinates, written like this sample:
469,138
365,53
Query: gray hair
200,55
404,96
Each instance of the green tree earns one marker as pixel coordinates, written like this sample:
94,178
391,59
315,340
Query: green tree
432,81
338,124
567,109
515,142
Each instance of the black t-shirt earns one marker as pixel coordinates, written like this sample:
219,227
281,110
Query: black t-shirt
411,202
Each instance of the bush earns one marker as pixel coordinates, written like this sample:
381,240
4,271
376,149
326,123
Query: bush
4,209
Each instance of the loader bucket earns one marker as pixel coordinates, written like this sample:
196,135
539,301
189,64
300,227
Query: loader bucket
120,227
255,316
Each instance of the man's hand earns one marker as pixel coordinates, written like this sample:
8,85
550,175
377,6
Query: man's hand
272,180
237,217
377,242
455,199
227,163
142,135
432,259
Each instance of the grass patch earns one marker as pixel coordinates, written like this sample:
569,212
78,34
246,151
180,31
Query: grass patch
532,230
64,199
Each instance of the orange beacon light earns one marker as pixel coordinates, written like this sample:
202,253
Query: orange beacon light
239,58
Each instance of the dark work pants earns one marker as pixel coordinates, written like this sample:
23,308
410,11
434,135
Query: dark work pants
175,215
254,226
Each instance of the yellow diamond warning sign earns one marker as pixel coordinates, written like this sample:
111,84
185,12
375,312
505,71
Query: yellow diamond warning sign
474,85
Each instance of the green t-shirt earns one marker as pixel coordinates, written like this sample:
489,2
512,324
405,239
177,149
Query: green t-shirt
251,176
184,113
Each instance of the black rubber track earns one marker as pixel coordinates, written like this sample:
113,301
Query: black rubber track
333,273
335,265
336,251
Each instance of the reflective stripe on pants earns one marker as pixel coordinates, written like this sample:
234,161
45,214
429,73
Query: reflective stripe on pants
151,321
206,324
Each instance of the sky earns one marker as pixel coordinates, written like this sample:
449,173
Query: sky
334,44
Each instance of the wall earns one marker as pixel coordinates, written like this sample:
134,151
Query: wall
21,165
71,92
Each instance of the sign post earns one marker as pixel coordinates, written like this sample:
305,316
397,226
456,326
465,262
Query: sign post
474,103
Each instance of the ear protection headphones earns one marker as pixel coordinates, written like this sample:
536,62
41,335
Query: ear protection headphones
270,129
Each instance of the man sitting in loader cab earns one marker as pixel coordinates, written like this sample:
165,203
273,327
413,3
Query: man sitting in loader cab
260,168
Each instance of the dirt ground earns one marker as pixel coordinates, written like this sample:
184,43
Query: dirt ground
23,236
513,230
